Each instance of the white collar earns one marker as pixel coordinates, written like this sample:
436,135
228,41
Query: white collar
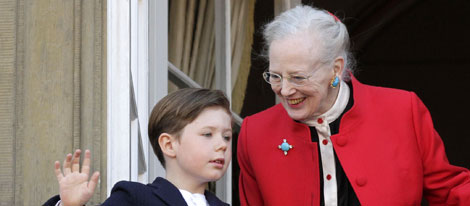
194,199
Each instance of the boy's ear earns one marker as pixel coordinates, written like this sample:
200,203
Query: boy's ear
166,142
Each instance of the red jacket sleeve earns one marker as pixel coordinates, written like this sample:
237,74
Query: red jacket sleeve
444,184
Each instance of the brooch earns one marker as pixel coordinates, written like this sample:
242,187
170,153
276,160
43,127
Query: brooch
285,146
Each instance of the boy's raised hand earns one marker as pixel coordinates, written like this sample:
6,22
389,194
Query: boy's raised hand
75,188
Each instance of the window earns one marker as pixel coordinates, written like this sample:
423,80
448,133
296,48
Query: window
138,75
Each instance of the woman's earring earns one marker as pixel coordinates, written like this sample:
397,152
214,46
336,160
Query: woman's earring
334,82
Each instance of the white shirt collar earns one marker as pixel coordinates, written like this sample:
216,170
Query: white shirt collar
194,199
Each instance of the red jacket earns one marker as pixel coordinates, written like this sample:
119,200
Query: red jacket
386,143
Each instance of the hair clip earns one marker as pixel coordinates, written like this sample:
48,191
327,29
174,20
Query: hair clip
336,18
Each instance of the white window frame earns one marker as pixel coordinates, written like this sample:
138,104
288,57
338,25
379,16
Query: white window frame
139,89
223,79
158,67
118,93
135,84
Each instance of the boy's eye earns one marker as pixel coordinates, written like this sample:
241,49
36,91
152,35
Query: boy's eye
207,134
227,137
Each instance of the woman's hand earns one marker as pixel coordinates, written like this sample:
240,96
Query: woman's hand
75,189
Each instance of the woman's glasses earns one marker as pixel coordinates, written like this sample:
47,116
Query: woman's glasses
276,79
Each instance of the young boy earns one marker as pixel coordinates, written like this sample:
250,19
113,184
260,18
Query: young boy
190,131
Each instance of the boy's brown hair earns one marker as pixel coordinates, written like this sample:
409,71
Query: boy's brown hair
173,112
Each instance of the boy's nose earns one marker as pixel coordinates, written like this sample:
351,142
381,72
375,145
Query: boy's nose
221,145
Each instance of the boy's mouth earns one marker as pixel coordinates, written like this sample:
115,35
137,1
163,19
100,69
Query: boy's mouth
220,162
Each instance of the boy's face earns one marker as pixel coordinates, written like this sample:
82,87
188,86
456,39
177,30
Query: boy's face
204,148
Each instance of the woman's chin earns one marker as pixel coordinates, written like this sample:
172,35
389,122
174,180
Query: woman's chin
296,115
294,112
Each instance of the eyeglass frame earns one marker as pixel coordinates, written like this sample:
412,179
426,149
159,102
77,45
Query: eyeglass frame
266,75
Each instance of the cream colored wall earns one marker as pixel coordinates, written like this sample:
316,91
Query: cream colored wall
52,93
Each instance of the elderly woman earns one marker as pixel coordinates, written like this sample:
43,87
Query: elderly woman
333,140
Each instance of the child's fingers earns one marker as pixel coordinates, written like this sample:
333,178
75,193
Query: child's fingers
57,171
76,161
93,181
86,163
67,164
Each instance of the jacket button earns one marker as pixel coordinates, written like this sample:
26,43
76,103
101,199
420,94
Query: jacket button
361,181
341,140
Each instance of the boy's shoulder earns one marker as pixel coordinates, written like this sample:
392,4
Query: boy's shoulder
160,192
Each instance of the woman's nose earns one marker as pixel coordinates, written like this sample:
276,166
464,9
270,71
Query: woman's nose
286,88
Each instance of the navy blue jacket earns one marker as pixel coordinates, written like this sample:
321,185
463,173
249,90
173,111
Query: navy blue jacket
160,192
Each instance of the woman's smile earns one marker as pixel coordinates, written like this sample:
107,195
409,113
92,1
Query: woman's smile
295,101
